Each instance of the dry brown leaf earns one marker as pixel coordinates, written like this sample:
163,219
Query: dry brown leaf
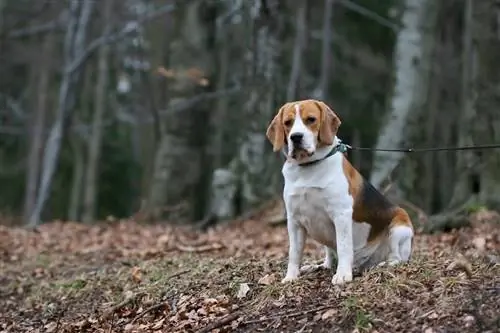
328,314
267,279
50,327
479,243
158,325
136,274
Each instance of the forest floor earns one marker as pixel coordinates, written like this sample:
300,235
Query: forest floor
127,277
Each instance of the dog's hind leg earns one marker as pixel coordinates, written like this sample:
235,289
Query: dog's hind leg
330,258
400,238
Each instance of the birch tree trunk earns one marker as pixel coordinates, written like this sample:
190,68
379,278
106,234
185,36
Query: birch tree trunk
94,148
411,64
74,40
38,125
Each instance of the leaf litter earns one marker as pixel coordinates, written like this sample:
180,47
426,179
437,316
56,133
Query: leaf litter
130,277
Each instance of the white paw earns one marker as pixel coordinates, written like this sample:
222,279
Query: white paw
394,262
289,279
382,264
341,278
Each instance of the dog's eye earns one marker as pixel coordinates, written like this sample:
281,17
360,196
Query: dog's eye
310,120
288,123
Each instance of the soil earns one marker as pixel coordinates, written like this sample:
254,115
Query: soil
123,276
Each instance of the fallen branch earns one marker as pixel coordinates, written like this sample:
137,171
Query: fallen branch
148,310
128,299
224,321
202,248
452,219
287,315
178,274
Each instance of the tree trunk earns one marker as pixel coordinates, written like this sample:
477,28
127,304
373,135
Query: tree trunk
95,141
412,56
76,30
326,53
77,146
38,125
257,170
298,48
178,152
479,177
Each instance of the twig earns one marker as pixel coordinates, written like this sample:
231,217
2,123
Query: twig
219,323
148,310
179,273
120,305
112,324
202,248
287,315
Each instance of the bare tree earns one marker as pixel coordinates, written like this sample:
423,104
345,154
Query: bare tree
95,140
38,125
326,52
74,46
298,48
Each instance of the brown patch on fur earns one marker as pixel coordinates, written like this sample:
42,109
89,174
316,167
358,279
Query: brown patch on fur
401,218
370,206
275,131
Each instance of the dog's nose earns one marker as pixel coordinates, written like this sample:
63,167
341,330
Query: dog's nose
296,137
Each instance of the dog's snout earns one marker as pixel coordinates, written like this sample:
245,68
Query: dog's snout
296,137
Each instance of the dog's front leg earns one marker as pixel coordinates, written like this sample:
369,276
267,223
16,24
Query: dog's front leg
345,251
296,238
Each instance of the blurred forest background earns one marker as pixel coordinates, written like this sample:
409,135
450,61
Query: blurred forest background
157,109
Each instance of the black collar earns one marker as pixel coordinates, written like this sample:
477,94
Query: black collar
340,147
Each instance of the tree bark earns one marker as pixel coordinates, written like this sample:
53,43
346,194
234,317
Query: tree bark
478,181
412,56
94,148
38,125
326,53
298,48
75,37
74,207
256,171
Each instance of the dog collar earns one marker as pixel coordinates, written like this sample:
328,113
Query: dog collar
339,148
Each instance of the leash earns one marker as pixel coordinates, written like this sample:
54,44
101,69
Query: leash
344,147
422,150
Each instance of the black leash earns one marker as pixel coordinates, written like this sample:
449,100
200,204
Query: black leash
421,150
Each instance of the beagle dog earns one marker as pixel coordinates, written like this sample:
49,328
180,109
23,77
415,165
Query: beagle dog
327,199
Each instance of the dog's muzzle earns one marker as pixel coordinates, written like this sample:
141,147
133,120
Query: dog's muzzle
298,151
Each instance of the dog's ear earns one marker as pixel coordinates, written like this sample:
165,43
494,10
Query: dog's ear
276,132
330,123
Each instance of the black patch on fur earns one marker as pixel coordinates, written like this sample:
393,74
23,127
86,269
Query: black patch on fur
373,200
378,209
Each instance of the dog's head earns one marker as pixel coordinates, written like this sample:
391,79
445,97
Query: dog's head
303,126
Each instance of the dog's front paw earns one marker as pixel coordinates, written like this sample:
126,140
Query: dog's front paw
289,279
341,278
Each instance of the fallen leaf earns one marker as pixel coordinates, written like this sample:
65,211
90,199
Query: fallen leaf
267,279
243,290
50,327
328,314
136,274
158,324
479,243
